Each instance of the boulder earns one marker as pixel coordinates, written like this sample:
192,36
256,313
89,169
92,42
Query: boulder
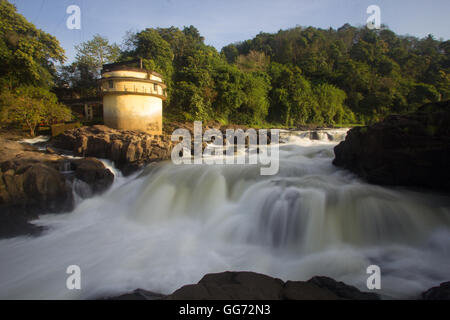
442,292
342,290
129,150
139,294
404,150
30,188
244,285
94,173
13,225
231,286
33,182
301,290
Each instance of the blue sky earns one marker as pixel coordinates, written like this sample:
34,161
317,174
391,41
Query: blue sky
226,21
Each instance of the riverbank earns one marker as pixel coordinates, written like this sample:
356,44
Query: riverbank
33,182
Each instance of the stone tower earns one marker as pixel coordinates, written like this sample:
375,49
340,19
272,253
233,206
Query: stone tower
132,98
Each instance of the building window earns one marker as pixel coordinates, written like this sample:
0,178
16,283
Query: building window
110,84
155,87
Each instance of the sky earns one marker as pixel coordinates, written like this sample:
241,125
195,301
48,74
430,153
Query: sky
227,21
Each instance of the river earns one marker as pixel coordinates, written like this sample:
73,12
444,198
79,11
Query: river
170,225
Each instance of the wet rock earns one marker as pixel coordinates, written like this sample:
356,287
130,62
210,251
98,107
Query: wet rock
31,188
139,294
231,286
342,290
94,173
51,150
250,286
407,150
301,290
254,286
442,292
33,182
13,225
129,150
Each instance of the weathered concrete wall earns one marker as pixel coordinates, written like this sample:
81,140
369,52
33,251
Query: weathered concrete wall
133,112
133,74
125,73
134,86
132,100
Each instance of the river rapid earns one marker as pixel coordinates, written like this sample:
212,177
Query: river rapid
169,225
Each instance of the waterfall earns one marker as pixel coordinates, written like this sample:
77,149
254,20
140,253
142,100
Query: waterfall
169,225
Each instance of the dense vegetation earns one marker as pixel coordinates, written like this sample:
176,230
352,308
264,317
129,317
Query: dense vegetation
27,72
379,72
294,77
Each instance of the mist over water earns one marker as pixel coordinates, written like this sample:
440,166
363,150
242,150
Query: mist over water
170,225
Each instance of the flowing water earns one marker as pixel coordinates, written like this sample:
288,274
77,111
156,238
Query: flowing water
170,225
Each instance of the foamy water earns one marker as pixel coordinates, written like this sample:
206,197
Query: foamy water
170,225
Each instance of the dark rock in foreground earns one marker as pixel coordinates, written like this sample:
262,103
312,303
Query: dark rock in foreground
405,150
94,173
254,286
129,150
139,294
438,293
32,183
13,225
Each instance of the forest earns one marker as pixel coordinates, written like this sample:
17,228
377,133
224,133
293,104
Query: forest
303,75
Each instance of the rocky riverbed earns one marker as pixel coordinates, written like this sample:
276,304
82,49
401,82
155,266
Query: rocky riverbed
33,182
254,286
129,150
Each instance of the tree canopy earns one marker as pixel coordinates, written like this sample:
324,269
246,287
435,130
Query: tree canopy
296,76
27,54
27,72
83,73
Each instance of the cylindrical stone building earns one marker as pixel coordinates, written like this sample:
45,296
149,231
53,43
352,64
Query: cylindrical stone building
132,98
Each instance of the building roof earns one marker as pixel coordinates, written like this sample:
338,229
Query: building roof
132,65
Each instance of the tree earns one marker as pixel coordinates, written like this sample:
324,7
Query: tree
253,61
82,75
255,106
230,52
27,54
94,53
228,84
32,106
295,76
156,52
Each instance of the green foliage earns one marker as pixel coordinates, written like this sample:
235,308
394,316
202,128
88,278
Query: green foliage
293,77
32,106
27,54
95,53
380,72
255,106
83,74
156,52
252,62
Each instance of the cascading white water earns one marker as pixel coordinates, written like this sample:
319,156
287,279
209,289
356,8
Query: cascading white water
173,224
